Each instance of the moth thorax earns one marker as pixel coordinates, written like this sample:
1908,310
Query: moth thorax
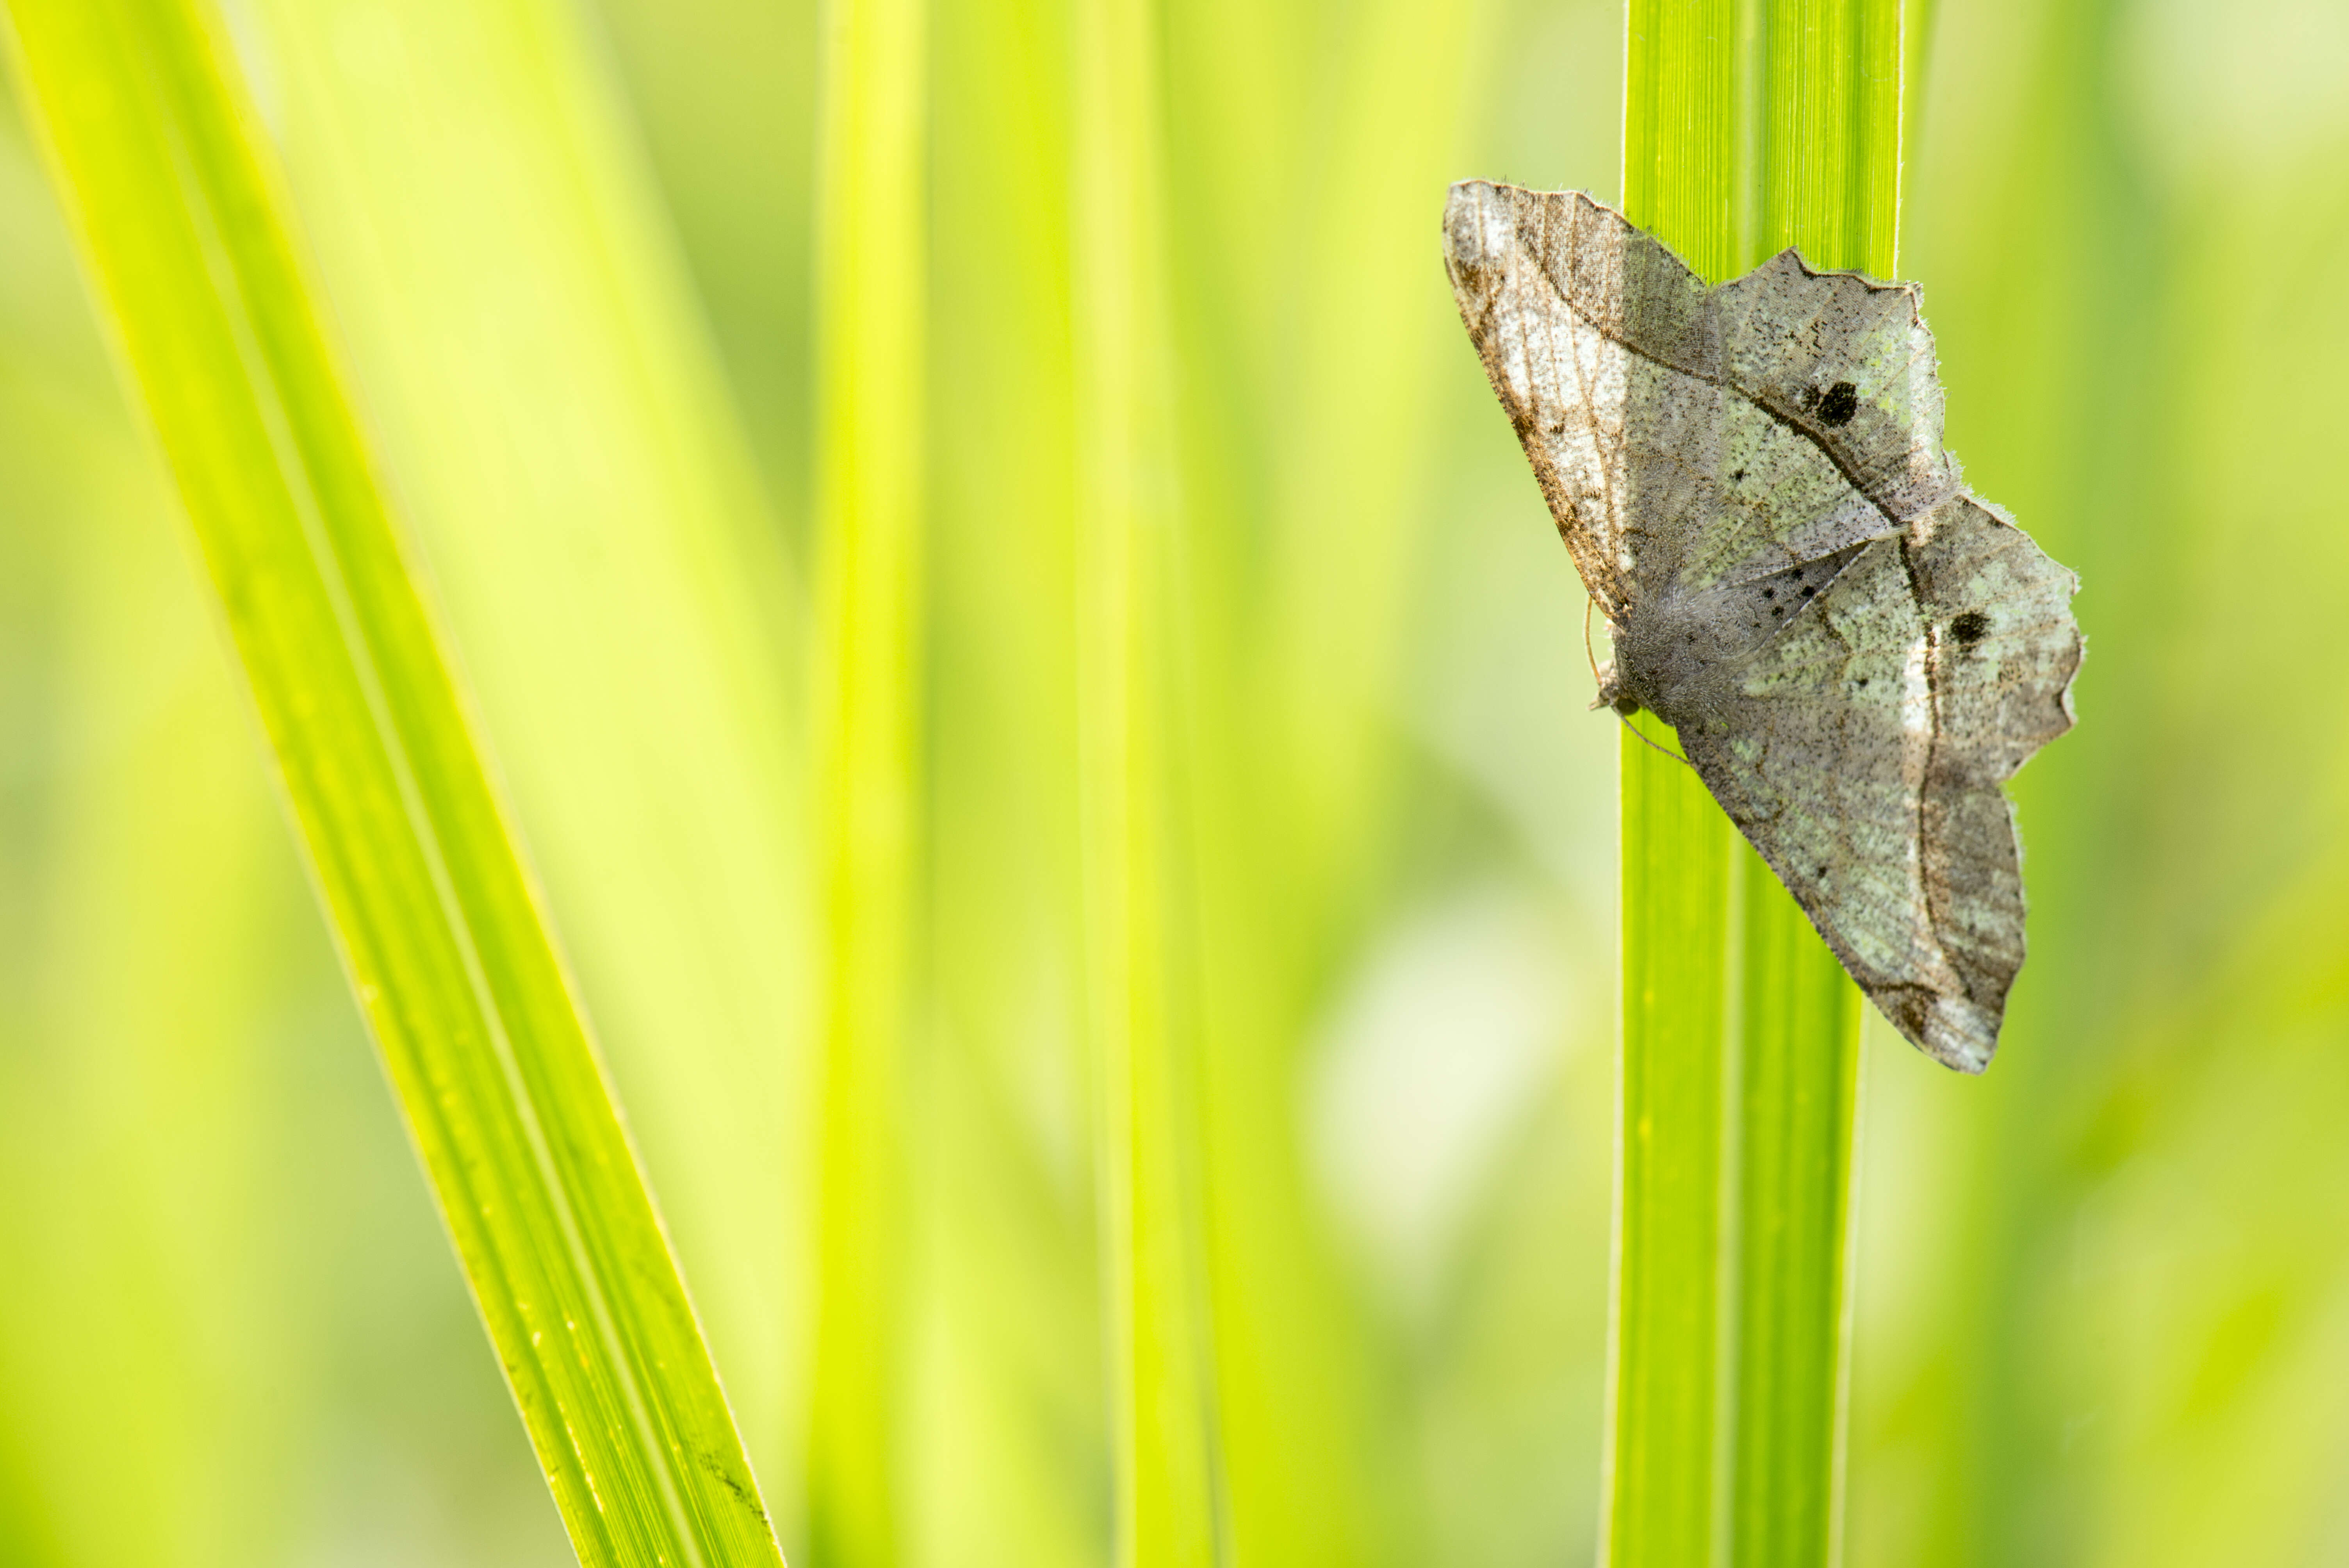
1664,651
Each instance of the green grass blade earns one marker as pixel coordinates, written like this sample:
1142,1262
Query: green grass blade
643,691
1798,1101
1684,128
1829,158
870,244
1658,1502
1831,93
166,173
1681,141
1309,441
1824,91
1012,1270
1146,1086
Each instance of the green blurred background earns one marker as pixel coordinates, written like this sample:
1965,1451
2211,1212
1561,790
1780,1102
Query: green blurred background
2104,1293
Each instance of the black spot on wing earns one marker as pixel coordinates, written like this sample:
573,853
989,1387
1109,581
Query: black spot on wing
1841,402
1970,628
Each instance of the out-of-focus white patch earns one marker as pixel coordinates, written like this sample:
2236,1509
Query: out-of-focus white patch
1431,1061
249,37
2250,83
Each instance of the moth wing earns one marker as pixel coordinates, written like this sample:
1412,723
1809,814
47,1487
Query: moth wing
1831,420
1546,283
2004,650
2013,645
1689,437
1792,337
1862,751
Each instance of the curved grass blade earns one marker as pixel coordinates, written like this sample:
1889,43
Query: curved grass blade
186,236
597,542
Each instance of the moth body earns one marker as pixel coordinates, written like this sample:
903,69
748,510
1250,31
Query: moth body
1678,653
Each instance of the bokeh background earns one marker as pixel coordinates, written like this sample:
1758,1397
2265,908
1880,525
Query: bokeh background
2104,1293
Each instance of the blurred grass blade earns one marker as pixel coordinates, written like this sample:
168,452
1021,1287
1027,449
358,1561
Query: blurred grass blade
166,173
644,692
1830,119
870,243
1010,1257
1300,630
1148,1152
1681,149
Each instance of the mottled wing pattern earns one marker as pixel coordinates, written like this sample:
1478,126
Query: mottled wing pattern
1862,751
2003,648
1855,653
1682,444
1565,376
1833,433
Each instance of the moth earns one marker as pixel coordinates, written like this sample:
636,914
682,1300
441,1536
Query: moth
1856,652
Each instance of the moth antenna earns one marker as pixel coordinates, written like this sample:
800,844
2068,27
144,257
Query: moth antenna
1659,751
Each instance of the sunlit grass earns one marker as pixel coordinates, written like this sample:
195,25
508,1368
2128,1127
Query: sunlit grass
1140,1001
1014,1451
1683,137
612,583
163,165
1832,82
2100,1295
1668,1249
1743,133
870,315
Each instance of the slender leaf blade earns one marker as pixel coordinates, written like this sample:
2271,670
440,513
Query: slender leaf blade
187,238
1683,137
1129,724
870,242
1798,1101
1661,1361
1831,86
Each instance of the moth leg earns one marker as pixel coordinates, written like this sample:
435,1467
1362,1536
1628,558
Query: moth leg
1651,745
